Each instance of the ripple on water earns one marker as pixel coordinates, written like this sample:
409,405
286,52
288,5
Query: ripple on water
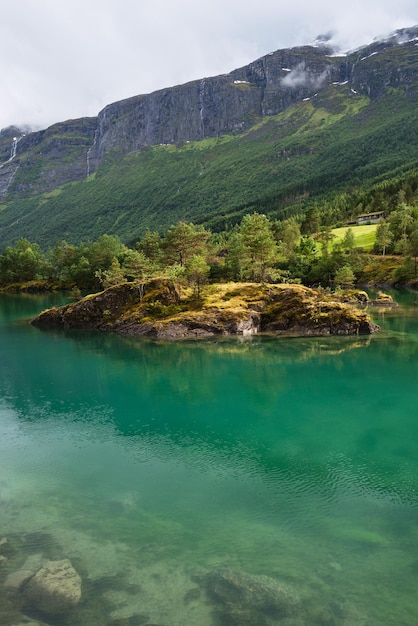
149,466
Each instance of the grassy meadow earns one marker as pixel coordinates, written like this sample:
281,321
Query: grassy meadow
364,235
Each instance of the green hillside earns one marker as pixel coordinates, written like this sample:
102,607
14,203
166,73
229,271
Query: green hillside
338,142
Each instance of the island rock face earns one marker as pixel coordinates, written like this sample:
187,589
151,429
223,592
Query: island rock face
155,309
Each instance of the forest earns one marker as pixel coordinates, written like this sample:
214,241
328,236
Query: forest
298,249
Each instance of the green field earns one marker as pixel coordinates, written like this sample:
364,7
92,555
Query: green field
364,235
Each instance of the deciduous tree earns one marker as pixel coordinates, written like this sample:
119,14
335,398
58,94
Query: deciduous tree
383,237
197,272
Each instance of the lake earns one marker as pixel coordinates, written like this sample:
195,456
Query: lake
189,483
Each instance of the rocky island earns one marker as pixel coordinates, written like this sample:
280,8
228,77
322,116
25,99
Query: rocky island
158,309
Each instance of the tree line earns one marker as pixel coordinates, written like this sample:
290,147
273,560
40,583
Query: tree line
257,249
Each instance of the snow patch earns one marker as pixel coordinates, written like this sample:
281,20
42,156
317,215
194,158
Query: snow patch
368,57
403,40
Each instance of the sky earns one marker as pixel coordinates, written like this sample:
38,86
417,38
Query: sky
65,59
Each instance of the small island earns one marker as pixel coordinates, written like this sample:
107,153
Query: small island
159,309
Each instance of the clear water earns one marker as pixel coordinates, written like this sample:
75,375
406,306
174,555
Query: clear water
149,464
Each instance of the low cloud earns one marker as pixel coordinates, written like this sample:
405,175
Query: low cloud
301,77
70,58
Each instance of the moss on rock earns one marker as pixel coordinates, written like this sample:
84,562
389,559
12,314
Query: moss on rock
155,309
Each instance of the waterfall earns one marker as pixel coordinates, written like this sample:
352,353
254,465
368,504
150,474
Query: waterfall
13,150
201,105
90,150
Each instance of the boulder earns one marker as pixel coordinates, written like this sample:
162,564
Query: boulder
55,588
16,580
244,599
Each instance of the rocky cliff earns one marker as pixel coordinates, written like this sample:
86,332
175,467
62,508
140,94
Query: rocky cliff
42,161
231,103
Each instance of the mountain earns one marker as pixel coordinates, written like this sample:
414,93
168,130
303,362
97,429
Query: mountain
289,129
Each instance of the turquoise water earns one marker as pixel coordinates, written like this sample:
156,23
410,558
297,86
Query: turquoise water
150,464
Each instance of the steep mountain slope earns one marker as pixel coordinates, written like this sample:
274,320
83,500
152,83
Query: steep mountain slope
286,129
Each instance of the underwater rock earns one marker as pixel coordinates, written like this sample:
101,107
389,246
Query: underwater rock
18,579
6,548
55,588
3,548
191,595
245,600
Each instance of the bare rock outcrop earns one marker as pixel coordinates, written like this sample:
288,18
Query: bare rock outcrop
155,310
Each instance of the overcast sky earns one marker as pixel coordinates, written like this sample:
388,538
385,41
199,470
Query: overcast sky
64,59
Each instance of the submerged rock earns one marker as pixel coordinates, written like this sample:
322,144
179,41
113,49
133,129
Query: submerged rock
55,588
6,549
155,310
242,599
16,581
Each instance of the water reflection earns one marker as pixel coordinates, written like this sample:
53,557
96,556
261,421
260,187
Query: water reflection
294,459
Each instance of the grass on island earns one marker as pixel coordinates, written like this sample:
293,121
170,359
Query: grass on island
364,235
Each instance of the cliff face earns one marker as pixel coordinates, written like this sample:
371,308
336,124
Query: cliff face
42,161
391,63
63,147
230,103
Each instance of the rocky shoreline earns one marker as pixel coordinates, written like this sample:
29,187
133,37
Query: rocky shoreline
156,309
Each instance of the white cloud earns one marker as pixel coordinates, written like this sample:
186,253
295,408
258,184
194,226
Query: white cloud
70,58
301,77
